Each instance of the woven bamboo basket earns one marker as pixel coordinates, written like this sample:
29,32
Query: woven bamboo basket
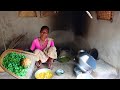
27,14
47,13
1,70
29,55
105,15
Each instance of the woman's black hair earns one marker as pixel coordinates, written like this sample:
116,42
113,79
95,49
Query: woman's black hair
44,27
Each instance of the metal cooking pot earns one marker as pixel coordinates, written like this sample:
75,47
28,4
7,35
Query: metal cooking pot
86,63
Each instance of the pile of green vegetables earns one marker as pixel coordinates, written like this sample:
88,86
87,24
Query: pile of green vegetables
64,59
12,61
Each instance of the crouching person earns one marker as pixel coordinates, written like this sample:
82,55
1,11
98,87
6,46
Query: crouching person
44,48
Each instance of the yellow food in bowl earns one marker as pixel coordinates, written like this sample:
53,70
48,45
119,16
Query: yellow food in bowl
44,75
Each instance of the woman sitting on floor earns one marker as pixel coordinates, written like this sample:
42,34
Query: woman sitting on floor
44,48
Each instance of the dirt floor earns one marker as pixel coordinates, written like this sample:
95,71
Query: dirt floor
103,71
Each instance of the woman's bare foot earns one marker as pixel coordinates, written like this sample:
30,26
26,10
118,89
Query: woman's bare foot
38,64
50,67
50,62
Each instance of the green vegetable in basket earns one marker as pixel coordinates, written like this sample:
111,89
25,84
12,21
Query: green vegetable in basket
12,61
64,56
64,59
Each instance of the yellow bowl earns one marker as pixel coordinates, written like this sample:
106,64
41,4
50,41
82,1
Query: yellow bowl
43,74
